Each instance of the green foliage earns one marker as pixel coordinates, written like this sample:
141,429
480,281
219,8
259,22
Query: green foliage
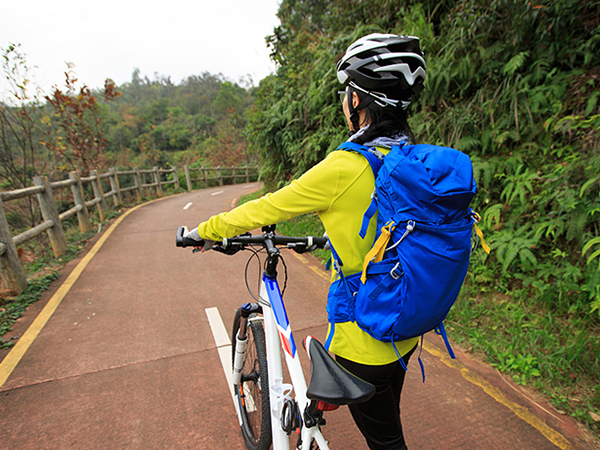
525,366
19,117
156,122
592,242
514,84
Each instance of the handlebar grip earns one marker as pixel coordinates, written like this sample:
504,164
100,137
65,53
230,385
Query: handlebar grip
182,241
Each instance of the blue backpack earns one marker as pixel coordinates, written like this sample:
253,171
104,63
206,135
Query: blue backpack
416,267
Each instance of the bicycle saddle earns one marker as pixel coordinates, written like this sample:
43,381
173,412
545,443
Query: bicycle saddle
330,382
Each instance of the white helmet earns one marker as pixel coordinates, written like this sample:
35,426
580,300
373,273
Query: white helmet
384,63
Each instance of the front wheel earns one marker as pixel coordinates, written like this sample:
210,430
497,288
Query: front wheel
252,393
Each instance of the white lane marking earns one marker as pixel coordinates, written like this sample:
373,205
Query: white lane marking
188,205
217,193
223,344
218,328
249,186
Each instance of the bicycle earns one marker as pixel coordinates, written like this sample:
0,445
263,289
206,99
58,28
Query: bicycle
267,410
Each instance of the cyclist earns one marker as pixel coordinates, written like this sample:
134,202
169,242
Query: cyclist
380,73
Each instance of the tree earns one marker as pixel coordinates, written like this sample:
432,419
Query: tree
80,141
19,116
228,99
19,126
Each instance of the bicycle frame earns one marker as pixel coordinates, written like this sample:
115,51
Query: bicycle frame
275,338
278,336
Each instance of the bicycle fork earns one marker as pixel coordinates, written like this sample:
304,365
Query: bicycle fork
242,340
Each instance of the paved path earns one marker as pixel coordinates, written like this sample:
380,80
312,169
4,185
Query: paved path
128,359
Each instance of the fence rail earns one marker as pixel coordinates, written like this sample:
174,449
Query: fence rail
134,181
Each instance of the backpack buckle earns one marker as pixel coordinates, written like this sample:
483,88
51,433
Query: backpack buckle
394,272
336,267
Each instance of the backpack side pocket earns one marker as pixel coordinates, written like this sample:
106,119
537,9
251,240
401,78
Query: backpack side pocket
380,299
341,297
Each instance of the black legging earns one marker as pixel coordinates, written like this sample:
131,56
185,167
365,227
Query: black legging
379,418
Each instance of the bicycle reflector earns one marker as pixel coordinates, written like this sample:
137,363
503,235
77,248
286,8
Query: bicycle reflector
322,406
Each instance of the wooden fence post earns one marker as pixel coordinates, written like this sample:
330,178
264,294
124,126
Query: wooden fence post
114,186
49,212
157,181
11,271
176,178
138,184
98,194
188,178
83,216
205,181
220,175
247,177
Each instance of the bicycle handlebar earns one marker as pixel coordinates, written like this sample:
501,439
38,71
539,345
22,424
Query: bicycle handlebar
182,241
268,240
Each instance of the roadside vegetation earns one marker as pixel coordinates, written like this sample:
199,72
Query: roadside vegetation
516,86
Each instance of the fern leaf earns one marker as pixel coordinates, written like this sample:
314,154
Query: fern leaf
515,63
589,244
593,256
492,214
591,103
527,255
510,255
467,143
587,184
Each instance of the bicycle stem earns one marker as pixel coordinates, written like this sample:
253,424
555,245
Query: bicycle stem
272,256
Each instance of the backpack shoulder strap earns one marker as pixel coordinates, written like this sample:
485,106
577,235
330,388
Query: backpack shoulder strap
375,164
373,160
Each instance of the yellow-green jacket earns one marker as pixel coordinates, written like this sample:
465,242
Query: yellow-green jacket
339,189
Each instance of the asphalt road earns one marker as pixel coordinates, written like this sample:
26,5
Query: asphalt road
120,354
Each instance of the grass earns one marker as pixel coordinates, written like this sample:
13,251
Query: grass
557,355
551,351
15,308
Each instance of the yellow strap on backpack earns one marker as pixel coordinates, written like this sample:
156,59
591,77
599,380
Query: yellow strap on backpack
484,246
378,249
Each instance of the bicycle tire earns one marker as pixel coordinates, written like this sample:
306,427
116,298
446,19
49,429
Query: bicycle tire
252,394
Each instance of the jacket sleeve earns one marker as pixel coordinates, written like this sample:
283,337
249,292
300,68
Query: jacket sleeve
313,191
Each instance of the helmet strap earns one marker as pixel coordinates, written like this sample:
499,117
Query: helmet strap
364,100
362,103
353,111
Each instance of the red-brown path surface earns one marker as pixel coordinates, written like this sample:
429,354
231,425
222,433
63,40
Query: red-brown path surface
128,359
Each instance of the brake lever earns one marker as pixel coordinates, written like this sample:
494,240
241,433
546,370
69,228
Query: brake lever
303,248
228,250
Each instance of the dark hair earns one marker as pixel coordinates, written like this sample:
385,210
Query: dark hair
386,121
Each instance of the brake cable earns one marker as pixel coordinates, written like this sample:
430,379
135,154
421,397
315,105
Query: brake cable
255,253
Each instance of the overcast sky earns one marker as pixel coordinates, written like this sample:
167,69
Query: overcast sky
109,38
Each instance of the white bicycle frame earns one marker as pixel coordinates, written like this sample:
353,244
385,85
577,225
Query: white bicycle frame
278,337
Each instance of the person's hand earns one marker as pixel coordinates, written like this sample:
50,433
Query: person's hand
204,244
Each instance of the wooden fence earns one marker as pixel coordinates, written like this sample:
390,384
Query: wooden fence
220,175
117,183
